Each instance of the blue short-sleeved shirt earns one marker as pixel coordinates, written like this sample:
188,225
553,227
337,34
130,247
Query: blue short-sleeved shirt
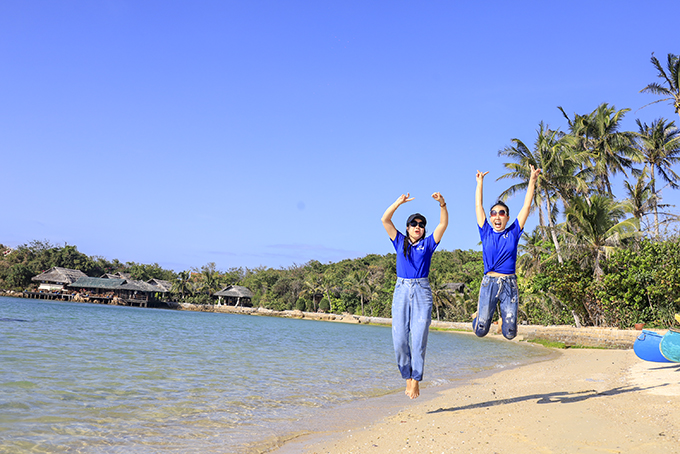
499,249
417,264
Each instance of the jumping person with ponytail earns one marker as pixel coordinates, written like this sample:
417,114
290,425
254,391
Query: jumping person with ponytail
412,300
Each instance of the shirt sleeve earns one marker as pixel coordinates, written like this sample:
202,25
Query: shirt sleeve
398,241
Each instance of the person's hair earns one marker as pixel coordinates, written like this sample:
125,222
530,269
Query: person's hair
501,203
407,241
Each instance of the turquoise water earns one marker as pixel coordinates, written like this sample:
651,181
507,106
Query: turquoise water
107,379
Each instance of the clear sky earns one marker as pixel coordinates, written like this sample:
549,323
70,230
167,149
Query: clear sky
270,133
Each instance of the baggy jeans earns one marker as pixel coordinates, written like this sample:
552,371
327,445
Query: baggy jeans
496,289
411,317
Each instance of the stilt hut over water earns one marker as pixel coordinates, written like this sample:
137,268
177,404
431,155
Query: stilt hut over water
131,292
235,295
57,278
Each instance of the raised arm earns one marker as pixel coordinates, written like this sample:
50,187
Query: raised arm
528,198
387,216
479,203
443,218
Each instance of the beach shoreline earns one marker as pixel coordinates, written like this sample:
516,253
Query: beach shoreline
582,400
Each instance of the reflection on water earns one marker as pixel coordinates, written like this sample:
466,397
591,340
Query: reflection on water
92,378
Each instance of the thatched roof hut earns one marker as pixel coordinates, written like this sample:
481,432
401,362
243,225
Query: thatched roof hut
57,278
118,275
235,293
129,290
97,283
161,285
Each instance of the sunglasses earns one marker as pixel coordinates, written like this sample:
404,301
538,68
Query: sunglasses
415,223
499,212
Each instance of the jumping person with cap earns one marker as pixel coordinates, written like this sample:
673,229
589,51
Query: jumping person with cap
412,299
499,252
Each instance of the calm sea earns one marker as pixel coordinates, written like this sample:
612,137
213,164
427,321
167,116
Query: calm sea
106,379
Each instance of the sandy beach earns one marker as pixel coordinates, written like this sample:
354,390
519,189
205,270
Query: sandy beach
582,401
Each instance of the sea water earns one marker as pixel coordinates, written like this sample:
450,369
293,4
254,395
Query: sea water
108,379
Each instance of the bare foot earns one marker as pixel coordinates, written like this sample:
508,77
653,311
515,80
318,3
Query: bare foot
415,389
412,388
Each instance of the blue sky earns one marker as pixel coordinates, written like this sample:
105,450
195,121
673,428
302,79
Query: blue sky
271,133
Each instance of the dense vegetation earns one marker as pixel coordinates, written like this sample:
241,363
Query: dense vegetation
594,259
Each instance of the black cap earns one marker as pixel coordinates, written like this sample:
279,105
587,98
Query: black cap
416,216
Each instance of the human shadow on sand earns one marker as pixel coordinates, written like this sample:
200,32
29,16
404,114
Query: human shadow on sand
675,366
550,398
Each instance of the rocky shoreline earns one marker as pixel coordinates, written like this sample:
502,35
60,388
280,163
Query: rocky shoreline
570,336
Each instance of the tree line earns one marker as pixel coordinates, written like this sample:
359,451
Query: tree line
594,258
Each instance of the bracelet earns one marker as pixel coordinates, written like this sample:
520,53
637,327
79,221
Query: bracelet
442,206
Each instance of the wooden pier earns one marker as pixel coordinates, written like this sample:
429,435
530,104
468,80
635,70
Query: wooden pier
78,298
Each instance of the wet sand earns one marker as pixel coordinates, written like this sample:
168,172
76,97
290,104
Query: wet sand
583,401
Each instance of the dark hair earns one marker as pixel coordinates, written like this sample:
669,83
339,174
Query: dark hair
407,240
501,203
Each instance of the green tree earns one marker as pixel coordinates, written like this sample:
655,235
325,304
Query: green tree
533,251
329,284
19,276
559,177
603,149
311,287
670,86
357,283
594,229
441,298
642,285
142,272
182,284
209,278
640,198
659,144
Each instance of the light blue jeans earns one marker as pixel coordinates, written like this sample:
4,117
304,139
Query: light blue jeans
495,289
411,317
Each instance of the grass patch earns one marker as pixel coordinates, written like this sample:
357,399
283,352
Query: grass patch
461,330
547,343
556,344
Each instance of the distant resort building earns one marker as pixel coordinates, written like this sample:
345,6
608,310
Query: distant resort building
235,295
120,289
57,278
116,287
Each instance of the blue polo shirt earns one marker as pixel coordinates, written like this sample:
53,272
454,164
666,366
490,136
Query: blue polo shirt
499,249
417,264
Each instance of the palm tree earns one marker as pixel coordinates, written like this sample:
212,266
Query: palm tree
440,294
659,144
357,282
210,278
183,283
531,252
312,287
641,198
604,149
593,228
328,285
558,178
670,87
